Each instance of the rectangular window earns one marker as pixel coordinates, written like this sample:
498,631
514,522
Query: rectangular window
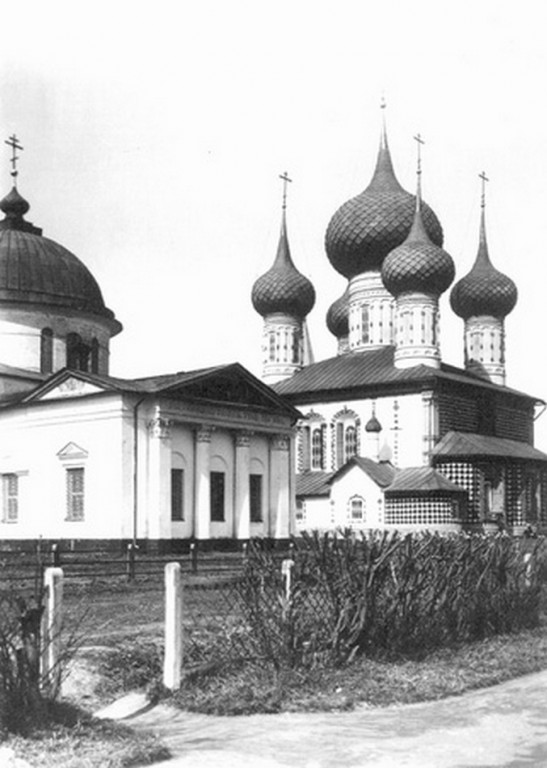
75,494
177,494
10,484
255,498
217,486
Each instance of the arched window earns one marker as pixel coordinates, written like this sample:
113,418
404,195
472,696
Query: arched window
350,442
317,452
46,350
296,348
77,353
365,320
357,510
271,346
95,356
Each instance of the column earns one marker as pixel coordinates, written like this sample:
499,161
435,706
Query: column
242,525
430,425
202,512
159,478
279,513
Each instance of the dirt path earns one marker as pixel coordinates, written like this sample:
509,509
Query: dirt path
500,727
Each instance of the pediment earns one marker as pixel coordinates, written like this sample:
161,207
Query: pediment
72,451
71,387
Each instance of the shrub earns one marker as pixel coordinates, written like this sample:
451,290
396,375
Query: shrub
387,594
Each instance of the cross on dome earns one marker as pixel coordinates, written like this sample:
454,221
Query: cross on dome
484,178
419,143
285,177
13,142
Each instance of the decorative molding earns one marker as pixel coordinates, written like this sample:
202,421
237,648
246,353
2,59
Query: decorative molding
159,427
280,443
204,434
243,439
72,451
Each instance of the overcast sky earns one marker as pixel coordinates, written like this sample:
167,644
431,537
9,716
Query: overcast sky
154,134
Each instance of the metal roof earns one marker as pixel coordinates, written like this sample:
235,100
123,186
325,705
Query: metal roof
313,483
356,373
468,444
381,472
422,480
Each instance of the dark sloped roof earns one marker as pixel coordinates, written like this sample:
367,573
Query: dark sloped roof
224,384
381,472
422,480
355,372
468,444
313,483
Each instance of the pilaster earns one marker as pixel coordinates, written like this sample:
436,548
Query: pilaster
280,501
159,477
242,526
202,515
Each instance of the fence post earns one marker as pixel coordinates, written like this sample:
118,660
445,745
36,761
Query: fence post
172,660
56,555
194,556
131,551
51,629
286,568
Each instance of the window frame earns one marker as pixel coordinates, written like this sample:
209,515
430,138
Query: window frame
217,496
256,503
74,515
7,516
177,495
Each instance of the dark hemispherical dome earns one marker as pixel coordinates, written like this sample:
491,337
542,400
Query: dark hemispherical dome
484,290
418,265
36,270
366,228
338,316
373,425
283,288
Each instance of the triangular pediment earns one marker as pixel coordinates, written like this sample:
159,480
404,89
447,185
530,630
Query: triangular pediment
66,384
72,451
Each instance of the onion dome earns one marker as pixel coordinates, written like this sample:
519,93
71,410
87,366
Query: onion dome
418,265
338,316
283,288
366,228
484,290
37,271
373,425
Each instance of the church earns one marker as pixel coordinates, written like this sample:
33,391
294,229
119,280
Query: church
383,435
86,457
392,437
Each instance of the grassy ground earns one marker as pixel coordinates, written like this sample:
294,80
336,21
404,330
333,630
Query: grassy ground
121,629
72,739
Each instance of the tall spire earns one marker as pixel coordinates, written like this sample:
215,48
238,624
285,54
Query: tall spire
482,254
384,173
418,230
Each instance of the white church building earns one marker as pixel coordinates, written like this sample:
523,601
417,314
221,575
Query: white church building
206,454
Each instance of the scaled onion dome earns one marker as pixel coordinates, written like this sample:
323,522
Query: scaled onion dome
338,316
366,228
37,271
418,265
484,290
282,289
373,425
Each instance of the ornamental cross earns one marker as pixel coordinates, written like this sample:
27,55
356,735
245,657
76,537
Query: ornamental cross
286,180
13,142
420,142
484,178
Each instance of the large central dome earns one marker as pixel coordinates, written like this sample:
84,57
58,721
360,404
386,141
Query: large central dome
366,228
38,271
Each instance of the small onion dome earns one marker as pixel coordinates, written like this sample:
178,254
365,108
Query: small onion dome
282,288
373,425
14,205
366,228
37,271
418,265
338,316
484,290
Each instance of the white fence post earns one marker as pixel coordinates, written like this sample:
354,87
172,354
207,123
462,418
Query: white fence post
172,660
51,629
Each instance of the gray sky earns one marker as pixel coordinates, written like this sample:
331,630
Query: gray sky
154,134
